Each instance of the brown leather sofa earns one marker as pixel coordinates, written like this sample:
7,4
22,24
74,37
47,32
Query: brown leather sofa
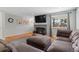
37,41
67,41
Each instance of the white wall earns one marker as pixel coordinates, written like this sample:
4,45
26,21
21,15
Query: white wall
29,27
77,19
72,18
14,28
1,25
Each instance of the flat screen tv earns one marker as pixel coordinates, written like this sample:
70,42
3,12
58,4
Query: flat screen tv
40,19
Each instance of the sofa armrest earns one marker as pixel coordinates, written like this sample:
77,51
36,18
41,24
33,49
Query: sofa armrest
64,33
23,47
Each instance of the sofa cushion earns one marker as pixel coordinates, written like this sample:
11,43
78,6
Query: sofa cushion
63,38
63,33
73,34
75,38
75,45
60,46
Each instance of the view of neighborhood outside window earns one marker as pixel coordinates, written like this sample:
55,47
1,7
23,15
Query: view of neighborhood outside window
59,21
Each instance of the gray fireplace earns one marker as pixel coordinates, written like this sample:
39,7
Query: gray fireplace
41,29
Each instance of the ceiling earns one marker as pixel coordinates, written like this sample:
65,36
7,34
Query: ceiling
32,11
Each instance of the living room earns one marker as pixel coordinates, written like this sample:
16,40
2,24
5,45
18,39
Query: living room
37,29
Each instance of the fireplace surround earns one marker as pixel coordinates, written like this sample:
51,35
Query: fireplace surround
41,29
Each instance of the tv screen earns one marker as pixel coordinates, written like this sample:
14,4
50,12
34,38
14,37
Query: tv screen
40,19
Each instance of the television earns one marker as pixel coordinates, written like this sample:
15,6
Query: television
40,19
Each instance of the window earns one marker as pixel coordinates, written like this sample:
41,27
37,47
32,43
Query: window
60,21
